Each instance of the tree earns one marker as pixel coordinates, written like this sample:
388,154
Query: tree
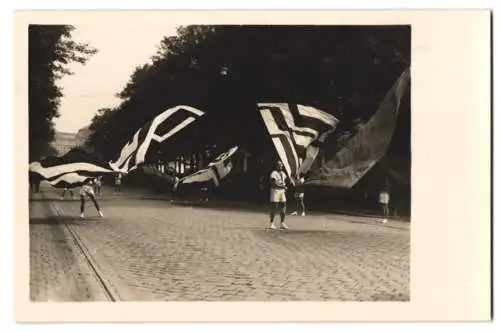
226,70
50,51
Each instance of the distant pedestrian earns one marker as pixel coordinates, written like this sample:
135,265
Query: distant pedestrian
278,180
64,193
384,203
299,197
87,191
34,180
118,183
98,185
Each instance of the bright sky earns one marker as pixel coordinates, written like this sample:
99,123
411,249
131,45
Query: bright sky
122,46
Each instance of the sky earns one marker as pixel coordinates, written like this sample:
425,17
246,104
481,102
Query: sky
122,46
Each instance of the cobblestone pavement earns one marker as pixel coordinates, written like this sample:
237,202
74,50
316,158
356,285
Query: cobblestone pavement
58,271
152,250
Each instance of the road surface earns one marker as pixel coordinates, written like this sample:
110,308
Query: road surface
152,250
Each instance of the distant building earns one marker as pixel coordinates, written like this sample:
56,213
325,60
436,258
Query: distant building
63,142
82,135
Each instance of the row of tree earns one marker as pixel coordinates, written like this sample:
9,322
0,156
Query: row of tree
227,70
51,50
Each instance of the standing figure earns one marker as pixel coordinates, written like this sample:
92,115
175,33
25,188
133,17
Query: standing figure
34,180
87,190
98,184
278,194
299,197
118,183
384,203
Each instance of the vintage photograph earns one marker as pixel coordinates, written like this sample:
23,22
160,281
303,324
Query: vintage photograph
219,162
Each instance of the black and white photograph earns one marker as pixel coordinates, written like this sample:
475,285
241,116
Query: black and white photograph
205,162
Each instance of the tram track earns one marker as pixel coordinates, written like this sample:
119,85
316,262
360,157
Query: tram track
107,288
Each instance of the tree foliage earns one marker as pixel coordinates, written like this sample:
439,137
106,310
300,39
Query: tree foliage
226,70
51,50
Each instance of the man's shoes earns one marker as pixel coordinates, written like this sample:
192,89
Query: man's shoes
82,216
272,226
284,226
100,214
294,213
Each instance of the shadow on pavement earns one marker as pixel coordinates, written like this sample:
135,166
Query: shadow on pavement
45,199
71,220
331,234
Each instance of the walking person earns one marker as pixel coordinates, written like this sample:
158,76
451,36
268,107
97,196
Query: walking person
87,190
118,183
299,197
278,195
384,203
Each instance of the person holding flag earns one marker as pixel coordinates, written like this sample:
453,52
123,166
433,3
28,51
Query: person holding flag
87,190
278,180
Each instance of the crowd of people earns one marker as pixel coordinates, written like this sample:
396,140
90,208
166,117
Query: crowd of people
280,185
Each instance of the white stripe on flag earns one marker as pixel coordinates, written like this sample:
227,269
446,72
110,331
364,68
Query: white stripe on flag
134,153
143,148
126,153
69,178
50,172
215,171
312,112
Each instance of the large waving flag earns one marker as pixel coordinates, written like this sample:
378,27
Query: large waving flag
297,132
368,146
217,170
70,170
159,129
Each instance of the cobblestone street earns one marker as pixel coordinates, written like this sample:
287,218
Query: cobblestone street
146,250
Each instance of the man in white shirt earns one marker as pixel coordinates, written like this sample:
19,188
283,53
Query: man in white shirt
384,203
87,190
278,194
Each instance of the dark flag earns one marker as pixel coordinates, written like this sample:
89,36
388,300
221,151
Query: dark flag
368,146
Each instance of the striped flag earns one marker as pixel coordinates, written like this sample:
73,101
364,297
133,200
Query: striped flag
297,132
69,180
70,170
159,129
217,170
368,146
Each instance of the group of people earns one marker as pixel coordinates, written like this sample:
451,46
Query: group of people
279,185
279,182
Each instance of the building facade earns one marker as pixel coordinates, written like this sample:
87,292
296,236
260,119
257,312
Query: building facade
82,135
63,142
